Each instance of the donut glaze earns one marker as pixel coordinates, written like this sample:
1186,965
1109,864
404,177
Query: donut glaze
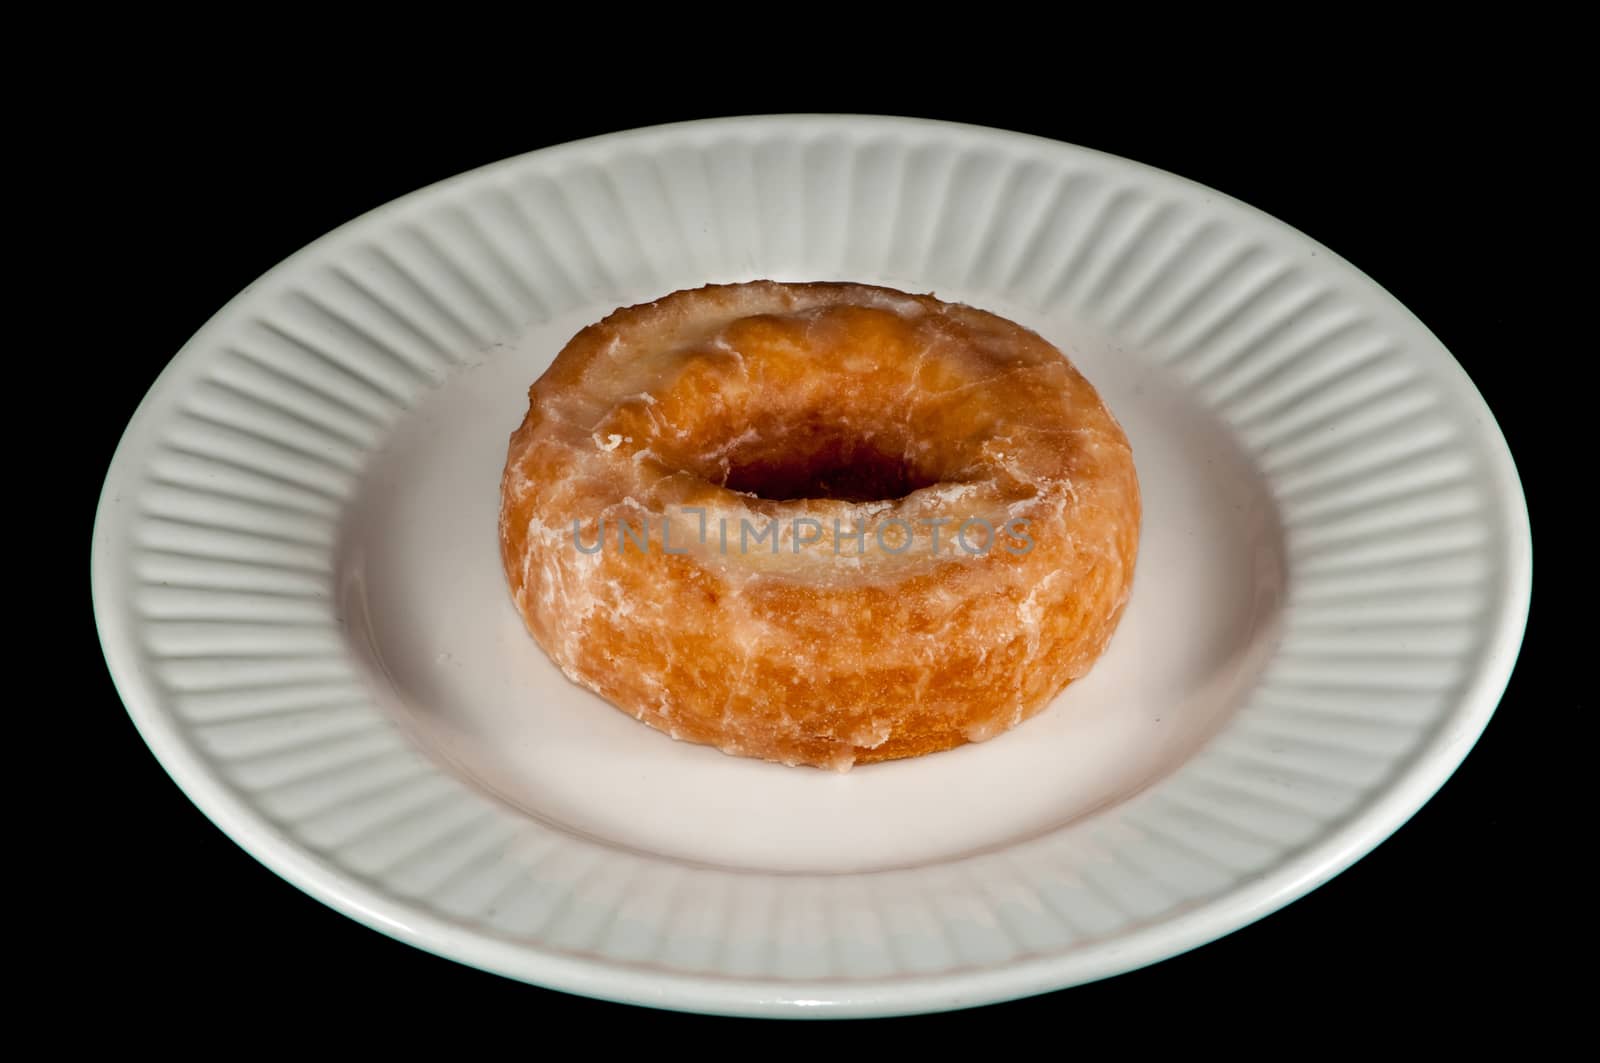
735,514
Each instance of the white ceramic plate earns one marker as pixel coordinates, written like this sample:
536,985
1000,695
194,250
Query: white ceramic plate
298,588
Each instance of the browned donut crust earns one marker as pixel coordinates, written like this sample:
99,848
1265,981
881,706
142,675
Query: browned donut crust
744,434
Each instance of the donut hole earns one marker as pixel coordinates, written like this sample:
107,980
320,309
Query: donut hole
820,463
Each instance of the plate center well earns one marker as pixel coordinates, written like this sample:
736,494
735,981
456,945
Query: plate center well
429,609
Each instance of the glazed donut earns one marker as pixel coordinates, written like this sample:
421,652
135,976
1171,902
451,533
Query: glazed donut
820,524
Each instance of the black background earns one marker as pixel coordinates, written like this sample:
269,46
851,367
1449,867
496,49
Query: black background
208,179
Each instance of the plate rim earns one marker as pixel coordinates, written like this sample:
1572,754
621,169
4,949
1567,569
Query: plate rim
1339,846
